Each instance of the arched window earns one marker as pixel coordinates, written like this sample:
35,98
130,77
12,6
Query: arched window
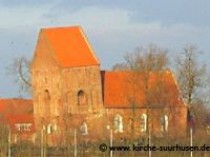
84,128
118,123
81,97
47,109
46,95
164,123
49,129
143,122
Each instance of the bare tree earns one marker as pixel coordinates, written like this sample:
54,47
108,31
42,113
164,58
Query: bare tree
191,76
152,58
19,69
143,63
189,73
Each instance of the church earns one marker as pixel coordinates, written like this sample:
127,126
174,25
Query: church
71,93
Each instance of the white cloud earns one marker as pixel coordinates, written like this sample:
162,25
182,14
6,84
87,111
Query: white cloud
105,21
15,17
111,31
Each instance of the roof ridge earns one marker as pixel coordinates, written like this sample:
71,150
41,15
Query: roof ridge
60,27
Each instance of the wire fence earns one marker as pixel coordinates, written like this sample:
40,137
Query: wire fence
106,148
25,149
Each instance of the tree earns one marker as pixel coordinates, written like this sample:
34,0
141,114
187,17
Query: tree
143,63
153,58
190,74
20,70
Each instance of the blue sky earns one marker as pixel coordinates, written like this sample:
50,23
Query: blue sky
113,27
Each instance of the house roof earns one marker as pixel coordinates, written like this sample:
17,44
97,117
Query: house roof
13,120
124,89
70,46
15,107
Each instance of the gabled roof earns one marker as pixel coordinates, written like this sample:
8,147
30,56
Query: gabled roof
122,89
70,47
15,107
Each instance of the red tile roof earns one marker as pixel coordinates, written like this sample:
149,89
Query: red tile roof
13,120
15,107
17,111
124,89
70,47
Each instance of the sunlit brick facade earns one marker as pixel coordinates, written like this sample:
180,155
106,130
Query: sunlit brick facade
70,92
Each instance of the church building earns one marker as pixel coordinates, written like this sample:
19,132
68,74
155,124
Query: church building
71,92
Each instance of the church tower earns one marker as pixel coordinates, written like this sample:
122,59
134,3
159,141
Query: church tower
65,76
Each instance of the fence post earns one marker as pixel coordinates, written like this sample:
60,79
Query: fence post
75,143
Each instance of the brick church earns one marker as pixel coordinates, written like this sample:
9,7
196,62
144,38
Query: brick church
71,92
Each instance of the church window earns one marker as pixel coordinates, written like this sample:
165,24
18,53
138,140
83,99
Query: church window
49,129
118,123
81,97
164,123
84,128
47,102
143,122
47,95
